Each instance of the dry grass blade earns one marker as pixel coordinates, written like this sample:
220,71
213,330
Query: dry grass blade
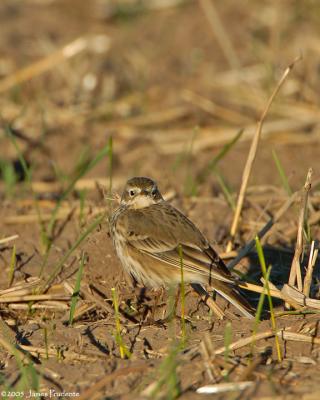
46,305
293,293
207,299
161,5
288,294
252,156
274,292
225,387
313,220
214,109
285,335
33,297
245,341
285,131
207,352
83,309
70,50
22,288
220,33
8,239
55,353
81,184
295,272
213,306
298,337
153,119
61,214
87,295
263,232
281,212
312,261
291,300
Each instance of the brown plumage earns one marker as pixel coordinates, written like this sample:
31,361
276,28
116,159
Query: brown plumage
147,231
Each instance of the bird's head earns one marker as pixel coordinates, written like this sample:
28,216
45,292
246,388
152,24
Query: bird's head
140,192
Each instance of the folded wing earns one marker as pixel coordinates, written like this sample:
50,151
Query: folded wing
159,230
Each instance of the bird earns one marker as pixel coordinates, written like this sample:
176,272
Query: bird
152,239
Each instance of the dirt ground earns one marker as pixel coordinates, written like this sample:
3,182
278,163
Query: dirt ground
172,83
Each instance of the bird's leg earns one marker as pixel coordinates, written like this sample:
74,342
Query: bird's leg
174,308
171,313
158,295
208,300
150,319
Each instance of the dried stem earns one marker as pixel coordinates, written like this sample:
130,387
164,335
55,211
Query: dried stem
8,239
282,334
268,226
252,156
33,297
206,298
295,272
274,292
312,260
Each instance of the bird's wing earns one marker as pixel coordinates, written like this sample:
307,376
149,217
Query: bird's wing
159,230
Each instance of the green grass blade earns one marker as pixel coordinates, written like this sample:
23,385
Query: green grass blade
76,291
222,153
266,278
20,155
80,239
8,176
260,309
12,265
168,381
84,170
227,342
190,186
43,233
261,302
282,174
225,190
124,352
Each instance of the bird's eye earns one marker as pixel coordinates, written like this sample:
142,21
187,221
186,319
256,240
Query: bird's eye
132,193
154,191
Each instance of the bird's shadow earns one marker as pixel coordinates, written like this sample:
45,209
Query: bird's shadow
280,260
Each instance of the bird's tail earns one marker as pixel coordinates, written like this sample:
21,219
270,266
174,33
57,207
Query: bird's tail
231,294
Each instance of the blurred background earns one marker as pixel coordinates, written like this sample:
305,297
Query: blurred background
171,81
177,88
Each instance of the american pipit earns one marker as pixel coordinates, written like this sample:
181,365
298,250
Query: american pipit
148,234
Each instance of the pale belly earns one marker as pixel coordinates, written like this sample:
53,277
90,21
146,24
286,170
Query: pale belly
149,274
132,266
